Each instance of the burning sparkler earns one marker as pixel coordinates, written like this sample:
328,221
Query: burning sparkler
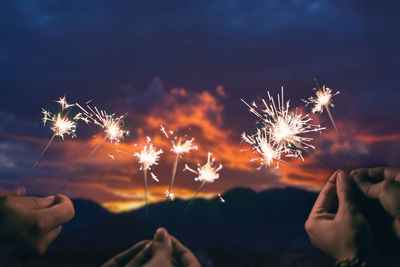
286,128
206,173
108,122
262,145
180,146
321,100
111,125
60,125
147,157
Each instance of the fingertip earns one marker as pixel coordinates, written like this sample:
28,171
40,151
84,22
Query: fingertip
333,177
21,191
161,235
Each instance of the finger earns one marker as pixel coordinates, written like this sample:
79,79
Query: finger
327,198
370,189
60,213
39,245
378,174
18,191
50,237
141,257
125,256
162,244
345,192
35,202
184,256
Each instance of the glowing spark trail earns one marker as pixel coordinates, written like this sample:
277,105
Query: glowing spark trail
154,177
147,157
60,126
207,173
108,122
321,100
286,128
261,144
221,199
180,146
63,103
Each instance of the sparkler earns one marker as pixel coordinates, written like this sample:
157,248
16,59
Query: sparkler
180,146
61,125
268,151
285,128
321,100
206,173
147,157
111,125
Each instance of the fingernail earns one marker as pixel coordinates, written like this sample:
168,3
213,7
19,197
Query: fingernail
161,235
50,198
22,190
148,245
341,176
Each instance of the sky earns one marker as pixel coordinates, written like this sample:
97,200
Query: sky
186,65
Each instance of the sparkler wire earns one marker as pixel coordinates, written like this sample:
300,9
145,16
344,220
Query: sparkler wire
82,164
190,203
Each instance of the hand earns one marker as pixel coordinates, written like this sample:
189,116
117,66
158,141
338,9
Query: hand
383,184
164,250
336,226
19,191
32,223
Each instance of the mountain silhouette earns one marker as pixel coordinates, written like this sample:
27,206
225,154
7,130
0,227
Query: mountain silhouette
249,229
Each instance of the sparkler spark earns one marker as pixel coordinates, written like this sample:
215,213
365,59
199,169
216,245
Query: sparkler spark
169,195
262,145
63,103
286,128
180,147
207,173
154,177
61,125
221,199
148,156
321,100
111,124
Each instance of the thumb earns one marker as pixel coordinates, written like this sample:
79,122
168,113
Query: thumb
162,243
345,192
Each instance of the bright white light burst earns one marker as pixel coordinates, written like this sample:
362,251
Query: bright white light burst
181,147
285,127
322,98
112,125
61,125
148,156
208,172
262,145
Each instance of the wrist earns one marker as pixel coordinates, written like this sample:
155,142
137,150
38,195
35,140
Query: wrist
396,227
